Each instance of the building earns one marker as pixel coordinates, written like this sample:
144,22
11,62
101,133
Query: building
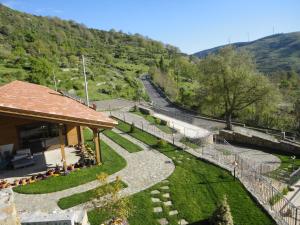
37,117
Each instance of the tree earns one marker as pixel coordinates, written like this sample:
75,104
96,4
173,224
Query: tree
232,82
109,199
222,215
297,112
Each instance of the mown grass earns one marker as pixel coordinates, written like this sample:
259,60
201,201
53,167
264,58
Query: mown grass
189,143
79,198
112,162
196,187
123,142
154,121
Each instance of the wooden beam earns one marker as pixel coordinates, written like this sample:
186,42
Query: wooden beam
62,146
81,136
97,146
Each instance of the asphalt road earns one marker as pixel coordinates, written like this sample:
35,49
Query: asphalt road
163,106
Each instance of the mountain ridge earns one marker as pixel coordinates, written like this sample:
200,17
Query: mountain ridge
274,53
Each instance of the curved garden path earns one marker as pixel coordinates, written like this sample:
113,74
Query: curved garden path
143,170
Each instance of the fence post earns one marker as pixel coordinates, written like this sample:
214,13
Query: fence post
296,216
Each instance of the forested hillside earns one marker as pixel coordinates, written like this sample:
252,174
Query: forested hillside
35,48
273,54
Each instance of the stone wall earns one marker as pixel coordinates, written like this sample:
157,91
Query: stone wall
252,140
8,213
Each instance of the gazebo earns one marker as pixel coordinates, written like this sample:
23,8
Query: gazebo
37,117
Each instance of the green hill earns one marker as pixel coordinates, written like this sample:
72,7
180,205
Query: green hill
275,53
33,48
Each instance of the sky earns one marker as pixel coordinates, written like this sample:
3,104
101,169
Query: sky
191,25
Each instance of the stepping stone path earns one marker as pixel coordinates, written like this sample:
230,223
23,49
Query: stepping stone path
155,192
166,195
179,161
155,200
165,188
165,181
173,212
183,222
168,203
163,221
157,209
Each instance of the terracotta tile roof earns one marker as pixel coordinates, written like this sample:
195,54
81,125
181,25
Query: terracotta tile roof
26,99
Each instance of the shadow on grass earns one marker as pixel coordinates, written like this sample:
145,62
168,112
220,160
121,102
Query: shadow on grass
218,181
201,222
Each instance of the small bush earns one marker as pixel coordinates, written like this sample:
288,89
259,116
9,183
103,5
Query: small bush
132,128
144,111
222,215
157,121
163,123
290,188
161,143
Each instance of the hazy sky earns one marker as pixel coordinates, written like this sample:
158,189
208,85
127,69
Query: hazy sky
191,25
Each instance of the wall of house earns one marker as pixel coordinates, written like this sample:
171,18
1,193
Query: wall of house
72,135
8,130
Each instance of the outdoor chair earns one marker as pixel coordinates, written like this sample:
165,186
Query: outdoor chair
22,158
5,155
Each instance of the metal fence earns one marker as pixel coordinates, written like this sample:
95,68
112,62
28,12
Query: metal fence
268,192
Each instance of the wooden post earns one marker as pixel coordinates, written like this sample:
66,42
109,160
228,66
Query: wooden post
97,146
62,146
81,136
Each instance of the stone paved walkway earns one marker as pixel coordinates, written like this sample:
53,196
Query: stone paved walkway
144,169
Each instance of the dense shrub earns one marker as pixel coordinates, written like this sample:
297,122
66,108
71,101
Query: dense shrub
132,128
161,143
157,121
163,122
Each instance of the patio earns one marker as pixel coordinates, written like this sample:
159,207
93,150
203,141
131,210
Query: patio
43,161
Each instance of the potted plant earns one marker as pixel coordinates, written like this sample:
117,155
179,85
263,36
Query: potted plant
71,167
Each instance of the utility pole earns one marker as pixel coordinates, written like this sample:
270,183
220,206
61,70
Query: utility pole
85,83
54,79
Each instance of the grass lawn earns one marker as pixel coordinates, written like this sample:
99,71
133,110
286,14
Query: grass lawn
123,142
286,167
79,198
188,143
112,162
196,187
153,120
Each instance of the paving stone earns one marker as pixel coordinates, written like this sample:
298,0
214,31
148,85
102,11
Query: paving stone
173,212
179,161
165,181
155,200
166,195
168,203
163,221
183,222
157,209
155,192
164,188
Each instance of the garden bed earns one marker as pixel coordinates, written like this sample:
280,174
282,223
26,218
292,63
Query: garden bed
79,198
112,162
